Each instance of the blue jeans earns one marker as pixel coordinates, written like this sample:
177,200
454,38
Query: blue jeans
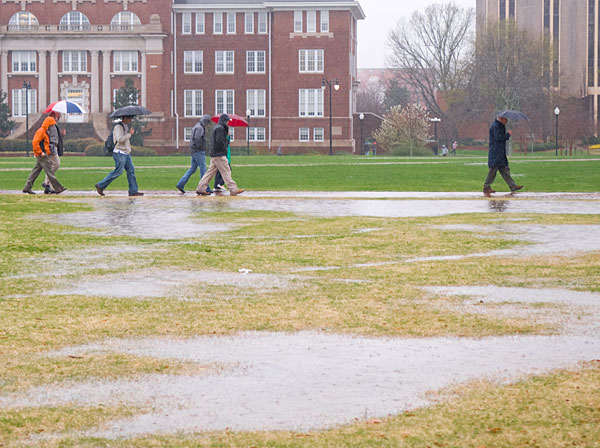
121,161
198,161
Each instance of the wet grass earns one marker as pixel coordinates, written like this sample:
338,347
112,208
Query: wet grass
323,173
378,300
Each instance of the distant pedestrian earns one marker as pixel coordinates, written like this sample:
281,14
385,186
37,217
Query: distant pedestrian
122,156
197,152
55,134
218,161
497,160
454,146
42,152
444,150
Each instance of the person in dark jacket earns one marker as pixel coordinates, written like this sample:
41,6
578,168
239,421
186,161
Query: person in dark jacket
218,159
497,160
197,151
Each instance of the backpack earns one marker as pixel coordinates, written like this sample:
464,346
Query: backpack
60,150
109,143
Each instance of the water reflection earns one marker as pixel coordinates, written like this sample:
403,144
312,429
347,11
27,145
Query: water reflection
498,206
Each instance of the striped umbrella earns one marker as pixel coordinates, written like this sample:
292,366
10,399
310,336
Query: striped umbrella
65,107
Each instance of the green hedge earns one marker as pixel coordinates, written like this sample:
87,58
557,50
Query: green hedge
72,145
13,145
79,144
97,149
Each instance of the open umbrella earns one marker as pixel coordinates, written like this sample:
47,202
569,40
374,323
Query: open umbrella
65,107
235,121
512,115
130,111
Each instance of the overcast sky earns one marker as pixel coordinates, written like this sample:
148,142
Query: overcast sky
382,16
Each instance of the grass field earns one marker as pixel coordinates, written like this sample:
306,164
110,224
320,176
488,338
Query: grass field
323,173
556,410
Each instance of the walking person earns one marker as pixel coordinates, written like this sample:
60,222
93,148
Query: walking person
122,133
55,134
198,153
218,159
219,182
454,146
42,152
497,160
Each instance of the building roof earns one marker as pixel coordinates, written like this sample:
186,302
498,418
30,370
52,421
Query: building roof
353,5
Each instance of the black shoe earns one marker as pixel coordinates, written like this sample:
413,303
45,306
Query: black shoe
47,189
28,191
60,191
517,188
138,193
99,190
180,189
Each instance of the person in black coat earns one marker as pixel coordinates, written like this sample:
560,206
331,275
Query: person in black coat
497,160
218,159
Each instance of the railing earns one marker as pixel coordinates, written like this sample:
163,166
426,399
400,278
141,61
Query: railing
125,27
75,27
23,27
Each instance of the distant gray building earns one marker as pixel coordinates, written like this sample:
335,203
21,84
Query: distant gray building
573,28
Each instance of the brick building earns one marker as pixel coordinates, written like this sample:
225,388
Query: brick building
188,58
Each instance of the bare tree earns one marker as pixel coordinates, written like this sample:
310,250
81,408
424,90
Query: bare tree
575,121
370,97
432,51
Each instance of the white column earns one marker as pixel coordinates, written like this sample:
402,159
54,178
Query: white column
4,71
106,93
42,81
95,80
144,79
53,76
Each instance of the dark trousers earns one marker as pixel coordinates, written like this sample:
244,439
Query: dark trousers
504,172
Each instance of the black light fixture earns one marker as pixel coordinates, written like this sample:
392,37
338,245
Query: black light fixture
333,84
435,121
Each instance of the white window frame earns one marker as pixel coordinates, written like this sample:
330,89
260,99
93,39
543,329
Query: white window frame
193,102
225,62
256,61
72,64
74,21
193,61
125,20
18,102
256,134
186,23
217,23
23,20
324,20
231,19
125,61
263,27
311,21
319,134
200,21
25,61
249,23
135,100
311,61
224,101
298,21
256,102
304,134
187,134
232,134
310,102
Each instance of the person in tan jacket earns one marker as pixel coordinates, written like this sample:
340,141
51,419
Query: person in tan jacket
41,150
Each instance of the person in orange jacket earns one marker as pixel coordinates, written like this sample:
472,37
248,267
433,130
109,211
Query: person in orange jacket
41,150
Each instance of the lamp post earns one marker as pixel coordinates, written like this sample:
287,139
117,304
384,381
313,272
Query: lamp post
556,113
248,111
26,87
362,140
333,84
435,121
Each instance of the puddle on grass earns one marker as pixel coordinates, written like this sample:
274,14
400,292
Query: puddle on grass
155,283
301,381
562,240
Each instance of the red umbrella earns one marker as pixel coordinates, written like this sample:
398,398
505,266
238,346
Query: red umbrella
235,121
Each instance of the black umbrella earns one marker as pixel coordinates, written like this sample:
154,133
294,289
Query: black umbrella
512,115
130,111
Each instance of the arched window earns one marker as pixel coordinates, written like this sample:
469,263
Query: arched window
125,20
23,20
74,21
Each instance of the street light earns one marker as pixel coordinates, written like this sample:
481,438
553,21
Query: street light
26,87
248,112
362,140
556,113
435,122
335,85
